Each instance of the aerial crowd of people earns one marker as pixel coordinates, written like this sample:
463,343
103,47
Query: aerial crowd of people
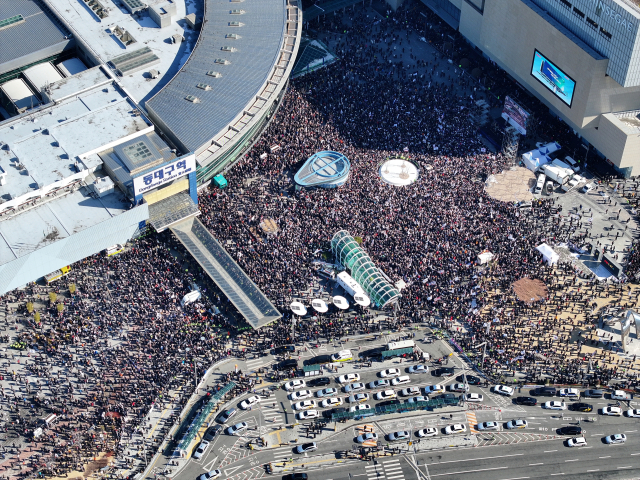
122,341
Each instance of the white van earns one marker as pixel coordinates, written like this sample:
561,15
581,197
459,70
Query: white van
342,356
572,163
400,380
540,184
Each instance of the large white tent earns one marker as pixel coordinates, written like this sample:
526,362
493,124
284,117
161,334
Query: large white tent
548,254
540,156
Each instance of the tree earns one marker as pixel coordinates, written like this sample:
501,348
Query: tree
72,288
36,317
30,307
358,240
52,297
60,308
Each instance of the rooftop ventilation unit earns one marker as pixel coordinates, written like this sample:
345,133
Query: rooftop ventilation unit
134,61
192,99
11,21
235,24
227,48
203,86
213,74
237,11
236,1
133,5
232,36
99,9
221,61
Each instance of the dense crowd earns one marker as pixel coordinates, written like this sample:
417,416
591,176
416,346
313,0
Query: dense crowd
122,341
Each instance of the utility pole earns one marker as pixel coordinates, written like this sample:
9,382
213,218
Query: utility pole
484,353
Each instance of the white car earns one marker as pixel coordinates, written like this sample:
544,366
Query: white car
633,413
473,397
306,447
458,387
455,428
210,475
367,436
201,450
294,385
326,392
429,389
401,435
250,402
238,427
418,369
612,411
555,405
359,398
428,432
331,402
617,438
407,392
577,442
348,378
301,395
619,395
385,395
419,398
569,392
304,405
503,390
378,383
308,414
357,408
354,387
515,424
488,426
390,372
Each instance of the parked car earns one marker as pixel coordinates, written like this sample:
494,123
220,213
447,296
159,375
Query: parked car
529,401
304,405
294,385
418,369
555,405
431,389
398,436
301,395
612,411
419,398
358,408
319,382
488,426
407,392
308,414
286,364
367,436
331,402
444,371
633,413
570,430
545,392
390,372
359,398
455,428
354,387
581,407
593,393
201,450
569,392
306,447
428,432
385,395
326,392
212,475
473,397
284,349
379,383
619,395
516,424
458,387
212,432
348,378
237,428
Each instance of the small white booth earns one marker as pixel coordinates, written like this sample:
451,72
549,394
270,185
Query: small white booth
548,254
485,257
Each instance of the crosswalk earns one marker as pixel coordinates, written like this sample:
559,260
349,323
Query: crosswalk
281,454
254,363
389,470
272,415
472,420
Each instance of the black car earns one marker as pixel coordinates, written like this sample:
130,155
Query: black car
226,415
471,379
331,411
593,394
446,396
319,382
211,432
287,364
529,401
570,430
284,349
545,392
388,402
443,371
581,407
296,476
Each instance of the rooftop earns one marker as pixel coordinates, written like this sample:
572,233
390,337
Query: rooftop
103,38
42,146
235,56
20,20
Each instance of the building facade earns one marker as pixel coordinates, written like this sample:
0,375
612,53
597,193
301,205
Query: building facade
581,58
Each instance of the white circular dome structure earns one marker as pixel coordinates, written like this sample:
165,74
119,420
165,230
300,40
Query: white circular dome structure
398,172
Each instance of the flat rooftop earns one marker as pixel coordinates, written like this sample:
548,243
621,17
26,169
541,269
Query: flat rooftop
42,146
25,28
55,220
105,45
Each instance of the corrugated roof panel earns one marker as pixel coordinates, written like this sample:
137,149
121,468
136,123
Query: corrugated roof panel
258,50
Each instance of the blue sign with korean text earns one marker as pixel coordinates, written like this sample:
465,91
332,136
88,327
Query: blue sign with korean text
181,167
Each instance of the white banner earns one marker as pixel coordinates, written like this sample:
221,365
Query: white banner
179,168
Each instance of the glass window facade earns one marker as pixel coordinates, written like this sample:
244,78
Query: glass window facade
363,270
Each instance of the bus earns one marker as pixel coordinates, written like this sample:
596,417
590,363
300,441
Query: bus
399,345
114,250
57,274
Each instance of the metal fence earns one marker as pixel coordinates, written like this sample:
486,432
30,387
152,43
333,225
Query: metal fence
398,408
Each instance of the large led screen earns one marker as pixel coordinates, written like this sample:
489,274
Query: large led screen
561,84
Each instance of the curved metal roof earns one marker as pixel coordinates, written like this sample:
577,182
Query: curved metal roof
238,47
326,169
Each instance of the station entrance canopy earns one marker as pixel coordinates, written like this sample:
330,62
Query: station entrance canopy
254,306
375,284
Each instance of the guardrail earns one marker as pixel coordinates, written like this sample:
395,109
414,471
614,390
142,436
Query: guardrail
399,408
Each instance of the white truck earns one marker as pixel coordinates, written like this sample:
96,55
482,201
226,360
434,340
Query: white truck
347,282
557,174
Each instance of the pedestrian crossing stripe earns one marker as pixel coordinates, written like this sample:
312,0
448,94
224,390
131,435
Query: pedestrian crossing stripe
472,420
367,427
369,443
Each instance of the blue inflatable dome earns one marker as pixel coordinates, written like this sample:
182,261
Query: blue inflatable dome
325,169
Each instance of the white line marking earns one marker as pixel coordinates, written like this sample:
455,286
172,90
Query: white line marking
549,451
574,460
532,464
596,470
468,471
608,456
481,458
624,467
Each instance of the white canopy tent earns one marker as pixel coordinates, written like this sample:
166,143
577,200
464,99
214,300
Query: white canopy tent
548,254
298,308
540,156
319,305
485,257
340,302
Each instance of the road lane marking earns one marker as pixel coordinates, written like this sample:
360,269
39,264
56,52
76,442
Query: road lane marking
630,466
634,454
608,456
596,470
532,464
554,474
549,451
481,458
468,471
574,460
630,431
